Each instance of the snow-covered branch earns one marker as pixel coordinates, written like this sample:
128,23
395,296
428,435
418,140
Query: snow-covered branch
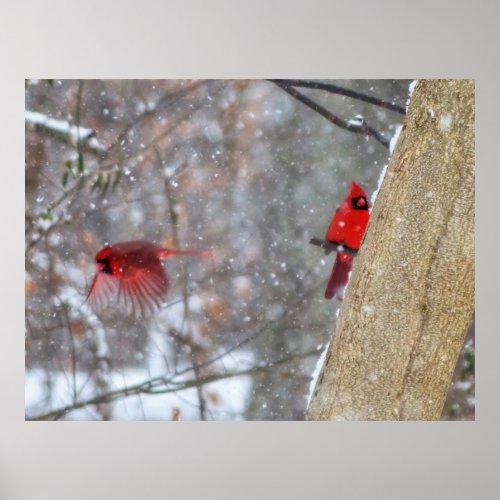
64,131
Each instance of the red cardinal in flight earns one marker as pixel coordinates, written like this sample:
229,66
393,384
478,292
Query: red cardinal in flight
131,274
346,228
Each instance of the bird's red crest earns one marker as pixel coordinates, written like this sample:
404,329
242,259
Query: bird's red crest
104,253
356,191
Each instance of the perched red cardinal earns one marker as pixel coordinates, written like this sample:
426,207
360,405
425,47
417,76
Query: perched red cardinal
132,275
347,228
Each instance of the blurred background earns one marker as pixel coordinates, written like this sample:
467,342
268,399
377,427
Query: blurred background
239,167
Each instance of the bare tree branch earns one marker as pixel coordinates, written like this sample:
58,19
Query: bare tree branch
335,89
166,99
358,126
164,385
172,201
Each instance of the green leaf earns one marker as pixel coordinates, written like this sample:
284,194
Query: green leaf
70,169
97,183
81,165
469,357
106,184
118,176
47,215
50,82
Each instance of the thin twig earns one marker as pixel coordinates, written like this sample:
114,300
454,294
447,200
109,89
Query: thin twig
73,351
77,116
159,385
172,202
167,98
80,183
335,89
357,126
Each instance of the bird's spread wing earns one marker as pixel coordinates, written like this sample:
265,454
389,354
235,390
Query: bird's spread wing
142,288
102,292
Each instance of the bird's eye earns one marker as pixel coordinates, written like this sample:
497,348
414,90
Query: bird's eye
104,266
360,203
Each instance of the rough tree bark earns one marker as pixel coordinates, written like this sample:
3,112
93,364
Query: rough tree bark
411,293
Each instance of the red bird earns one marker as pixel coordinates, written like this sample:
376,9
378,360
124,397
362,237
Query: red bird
133,274
346,228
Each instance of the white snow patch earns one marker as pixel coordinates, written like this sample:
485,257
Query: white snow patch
379,184
62,127
411,88
368,309
316,373
229,402
357,121
46,223
394,138
392,145
445,122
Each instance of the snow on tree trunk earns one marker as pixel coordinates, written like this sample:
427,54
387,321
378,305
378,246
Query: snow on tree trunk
411,293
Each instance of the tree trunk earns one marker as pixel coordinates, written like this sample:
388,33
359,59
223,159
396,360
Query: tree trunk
411,293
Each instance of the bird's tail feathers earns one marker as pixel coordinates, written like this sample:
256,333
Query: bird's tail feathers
338,278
